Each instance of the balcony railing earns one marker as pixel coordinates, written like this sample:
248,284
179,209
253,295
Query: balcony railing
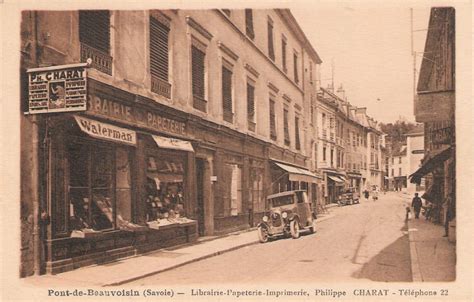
100,60
161,87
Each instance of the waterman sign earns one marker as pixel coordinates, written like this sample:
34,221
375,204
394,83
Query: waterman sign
106,131
57,89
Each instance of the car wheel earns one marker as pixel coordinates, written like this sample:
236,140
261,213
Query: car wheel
295,229
262,234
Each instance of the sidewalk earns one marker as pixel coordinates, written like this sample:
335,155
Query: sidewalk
433,257
133,268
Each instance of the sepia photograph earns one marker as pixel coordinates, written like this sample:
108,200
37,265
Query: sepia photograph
222,151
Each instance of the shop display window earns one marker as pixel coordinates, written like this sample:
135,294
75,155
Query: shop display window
233,188
165,190
99,188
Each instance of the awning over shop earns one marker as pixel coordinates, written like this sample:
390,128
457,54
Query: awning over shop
106,131
342,178
298,174
335,179
429,165
173,143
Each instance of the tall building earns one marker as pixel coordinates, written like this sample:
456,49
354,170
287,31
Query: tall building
147,129
435,107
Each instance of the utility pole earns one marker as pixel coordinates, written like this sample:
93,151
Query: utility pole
413,53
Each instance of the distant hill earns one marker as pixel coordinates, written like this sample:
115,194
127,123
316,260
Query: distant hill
396,132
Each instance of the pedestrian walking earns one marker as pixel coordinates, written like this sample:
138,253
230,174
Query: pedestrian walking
416,203
366,194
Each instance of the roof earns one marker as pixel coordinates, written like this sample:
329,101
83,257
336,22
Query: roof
419,130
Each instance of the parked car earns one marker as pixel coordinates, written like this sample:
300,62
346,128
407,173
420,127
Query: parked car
288,213
349,196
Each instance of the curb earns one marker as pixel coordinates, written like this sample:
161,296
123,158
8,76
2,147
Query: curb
148,274
415,266
130,279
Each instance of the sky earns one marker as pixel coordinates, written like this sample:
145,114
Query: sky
369,46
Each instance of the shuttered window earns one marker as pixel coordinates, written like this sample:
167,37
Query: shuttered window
297,133
295,67
251,106
286,131
249,24
283,54
271,51
159,62
198,78
94,29
273,134
227,94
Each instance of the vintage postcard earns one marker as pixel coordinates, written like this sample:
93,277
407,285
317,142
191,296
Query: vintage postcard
223,151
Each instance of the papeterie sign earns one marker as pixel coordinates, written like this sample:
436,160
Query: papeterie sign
57,89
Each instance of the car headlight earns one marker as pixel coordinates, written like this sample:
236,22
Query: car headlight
265,218
284,214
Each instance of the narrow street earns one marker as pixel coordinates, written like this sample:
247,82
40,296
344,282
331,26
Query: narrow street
366,241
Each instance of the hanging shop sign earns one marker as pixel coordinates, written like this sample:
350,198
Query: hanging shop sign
173,143
57,89
106,131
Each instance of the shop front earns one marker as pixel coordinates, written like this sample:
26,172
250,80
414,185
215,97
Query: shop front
354,181
119,181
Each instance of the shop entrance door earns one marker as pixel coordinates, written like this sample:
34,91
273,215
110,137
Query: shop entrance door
200,194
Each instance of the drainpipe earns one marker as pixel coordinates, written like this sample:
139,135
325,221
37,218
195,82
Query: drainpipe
35,168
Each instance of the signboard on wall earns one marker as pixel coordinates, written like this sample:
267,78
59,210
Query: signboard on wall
57,89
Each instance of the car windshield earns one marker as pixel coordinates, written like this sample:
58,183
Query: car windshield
281,201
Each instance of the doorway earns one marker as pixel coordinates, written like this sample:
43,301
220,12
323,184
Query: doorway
200,195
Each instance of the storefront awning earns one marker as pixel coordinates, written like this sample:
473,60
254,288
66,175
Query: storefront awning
106,131
173,143
429,165
335,179
298,174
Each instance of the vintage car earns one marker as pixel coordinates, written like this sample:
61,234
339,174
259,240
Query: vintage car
349,196
288,213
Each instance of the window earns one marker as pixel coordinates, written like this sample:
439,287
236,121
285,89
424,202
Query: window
273,134
358,139
311,72
258,197
94,35
271,51
323,120
249,24
297,133
233,188
166,185
295,67
324,153
332,157
159,61
286,131
399,171
251,106
198,74
393,160
393,172
399,159
227,94
283,54
99,186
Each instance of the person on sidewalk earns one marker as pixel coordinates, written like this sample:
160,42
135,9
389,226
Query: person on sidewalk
416,203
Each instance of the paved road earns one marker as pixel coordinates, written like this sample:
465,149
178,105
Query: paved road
362,242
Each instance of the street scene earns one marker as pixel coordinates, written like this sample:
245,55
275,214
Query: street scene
170,147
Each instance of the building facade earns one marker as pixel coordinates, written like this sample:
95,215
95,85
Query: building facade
435,107
192,117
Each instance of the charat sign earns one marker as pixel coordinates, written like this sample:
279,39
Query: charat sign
57,89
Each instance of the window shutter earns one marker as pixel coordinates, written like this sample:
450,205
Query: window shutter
249,24
159,62
227,94
198,78
283,54
271,51
94,29
297,133
295,65
250,102
272,120
285,127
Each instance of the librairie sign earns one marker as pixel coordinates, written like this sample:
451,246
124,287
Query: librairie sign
57,89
